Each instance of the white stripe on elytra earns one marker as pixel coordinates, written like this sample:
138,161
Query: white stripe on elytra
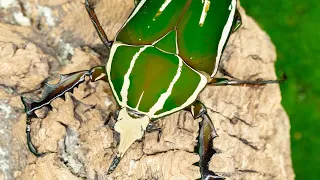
138,104
205,9
160,103
164,5
177,46
203,82
162,8
126,80
108,67
225,34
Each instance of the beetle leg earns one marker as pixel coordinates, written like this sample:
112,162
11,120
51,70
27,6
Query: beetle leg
109,121
53,91
152,127
31,147
205,140
237,22
226,82
103,36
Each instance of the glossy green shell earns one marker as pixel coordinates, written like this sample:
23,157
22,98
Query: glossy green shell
202,28
151,81
156,63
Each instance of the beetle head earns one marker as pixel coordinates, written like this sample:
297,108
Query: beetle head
131,127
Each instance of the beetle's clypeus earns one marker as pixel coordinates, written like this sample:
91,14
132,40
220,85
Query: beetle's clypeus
161,59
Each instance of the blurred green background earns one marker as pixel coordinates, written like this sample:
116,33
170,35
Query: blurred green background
294,27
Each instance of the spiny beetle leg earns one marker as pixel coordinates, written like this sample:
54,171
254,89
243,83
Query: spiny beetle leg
29,142
95,21
205,140
228,82
114,164
53,91
205,143
237,22
153,127
117,158
109,121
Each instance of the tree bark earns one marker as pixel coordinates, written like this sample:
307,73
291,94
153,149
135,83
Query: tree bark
41,39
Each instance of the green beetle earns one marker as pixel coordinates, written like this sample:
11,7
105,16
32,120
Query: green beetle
162,58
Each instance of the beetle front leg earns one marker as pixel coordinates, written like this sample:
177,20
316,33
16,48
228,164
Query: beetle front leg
95,21
31,147
205,140
53,91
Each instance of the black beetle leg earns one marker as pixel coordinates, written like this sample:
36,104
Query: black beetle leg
152,127
115,117
53,91
29,141
95,21
205,140
117,158
114,164
236,82
237,22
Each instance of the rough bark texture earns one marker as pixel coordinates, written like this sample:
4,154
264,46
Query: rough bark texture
40,39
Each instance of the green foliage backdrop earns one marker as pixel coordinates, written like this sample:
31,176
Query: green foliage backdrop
294,28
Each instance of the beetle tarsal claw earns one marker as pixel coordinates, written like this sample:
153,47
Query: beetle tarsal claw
130,129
